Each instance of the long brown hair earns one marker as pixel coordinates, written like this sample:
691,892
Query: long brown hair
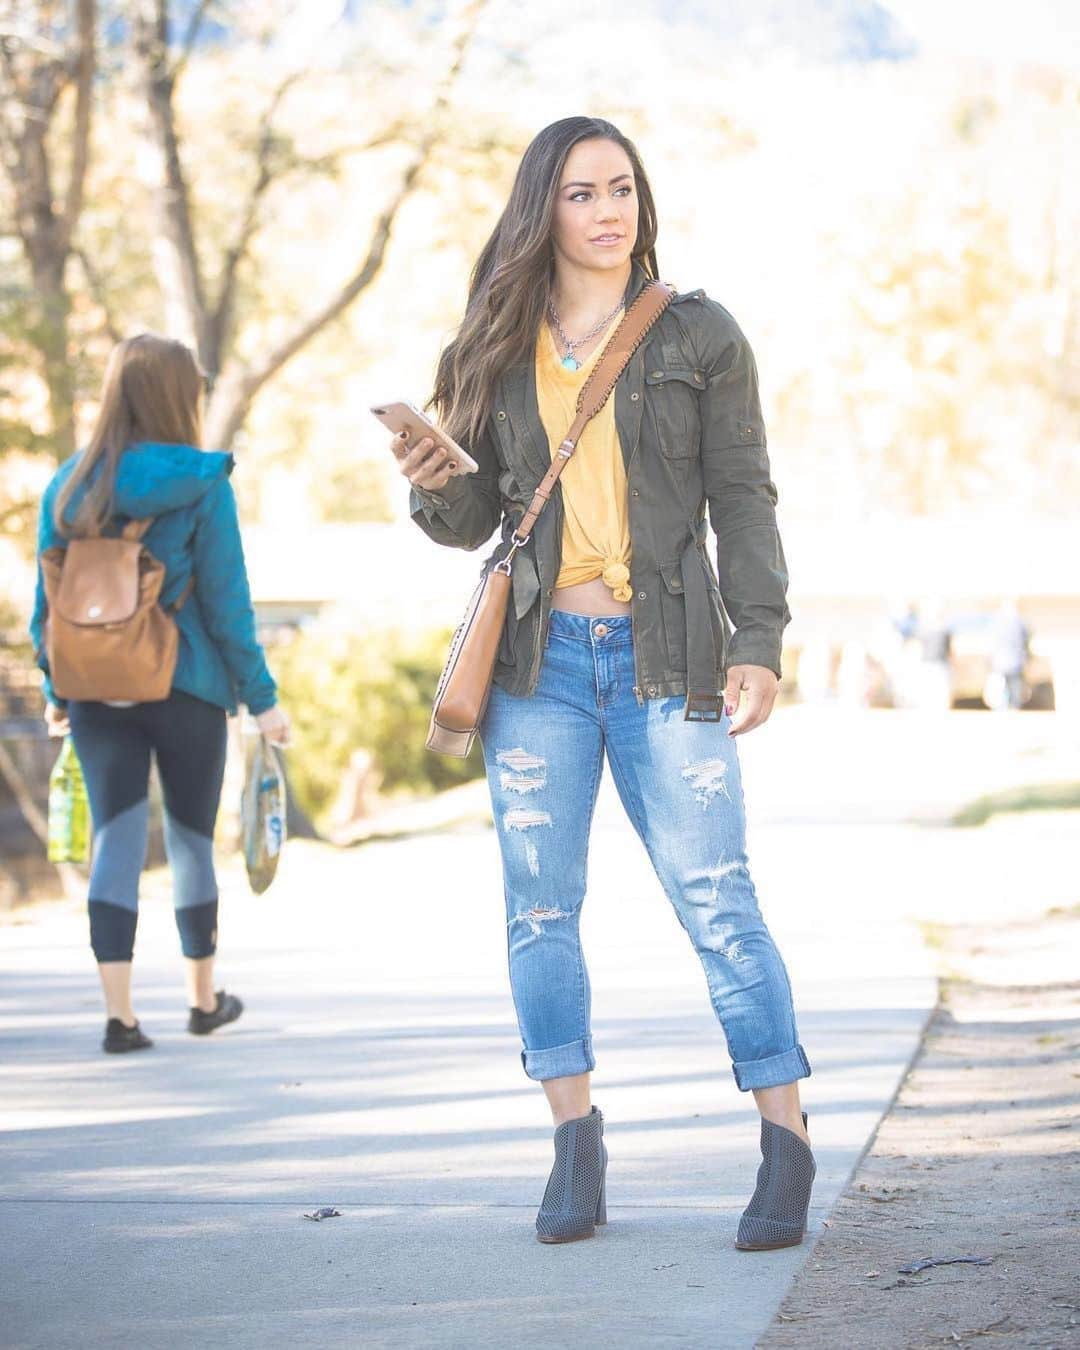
511,282
152,392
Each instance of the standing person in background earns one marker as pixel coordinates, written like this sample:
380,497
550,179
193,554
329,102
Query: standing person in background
1009,645
934,637
144,460
615,640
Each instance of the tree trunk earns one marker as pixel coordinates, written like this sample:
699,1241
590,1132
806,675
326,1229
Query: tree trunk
31,88
176,258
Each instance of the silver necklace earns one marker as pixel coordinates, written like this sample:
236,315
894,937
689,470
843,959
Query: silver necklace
570,361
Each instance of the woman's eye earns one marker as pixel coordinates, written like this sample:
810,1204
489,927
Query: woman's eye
578,196
623,191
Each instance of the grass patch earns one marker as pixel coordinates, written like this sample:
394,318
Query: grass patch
1038,797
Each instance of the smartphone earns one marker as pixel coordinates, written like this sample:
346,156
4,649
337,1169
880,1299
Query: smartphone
399,417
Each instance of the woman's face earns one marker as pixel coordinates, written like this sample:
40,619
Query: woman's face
596,208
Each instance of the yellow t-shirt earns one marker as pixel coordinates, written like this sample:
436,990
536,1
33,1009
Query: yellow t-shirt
596,526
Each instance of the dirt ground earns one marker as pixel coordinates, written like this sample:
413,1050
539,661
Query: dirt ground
979,1157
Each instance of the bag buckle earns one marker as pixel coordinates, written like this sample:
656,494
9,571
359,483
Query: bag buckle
702,705
516,541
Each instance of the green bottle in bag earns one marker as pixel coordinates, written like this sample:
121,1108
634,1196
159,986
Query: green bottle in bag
69,808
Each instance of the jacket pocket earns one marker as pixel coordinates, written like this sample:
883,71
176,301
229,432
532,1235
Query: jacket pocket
673,398
673,614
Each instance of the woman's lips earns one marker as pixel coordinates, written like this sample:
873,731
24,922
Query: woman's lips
607,240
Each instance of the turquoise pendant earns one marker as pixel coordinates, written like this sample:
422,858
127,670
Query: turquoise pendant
569,363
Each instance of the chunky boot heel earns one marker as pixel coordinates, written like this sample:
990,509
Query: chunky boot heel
575,1199
776,1214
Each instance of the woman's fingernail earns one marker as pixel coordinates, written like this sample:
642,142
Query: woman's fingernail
729,708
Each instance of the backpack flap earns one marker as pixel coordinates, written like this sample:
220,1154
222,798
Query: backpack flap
99,581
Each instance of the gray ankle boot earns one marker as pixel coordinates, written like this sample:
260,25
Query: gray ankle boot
575,1199
776,1214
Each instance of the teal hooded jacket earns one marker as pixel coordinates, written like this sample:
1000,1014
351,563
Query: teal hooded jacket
195,532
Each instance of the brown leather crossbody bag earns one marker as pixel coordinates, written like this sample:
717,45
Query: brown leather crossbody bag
465,684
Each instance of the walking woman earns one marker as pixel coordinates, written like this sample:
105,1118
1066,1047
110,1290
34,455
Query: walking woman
143,462
616,640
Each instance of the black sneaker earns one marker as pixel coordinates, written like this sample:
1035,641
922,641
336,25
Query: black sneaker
119,1039
228,1009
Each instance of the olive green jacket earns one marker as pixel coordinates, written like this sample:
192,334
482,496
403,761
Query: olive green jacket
692,436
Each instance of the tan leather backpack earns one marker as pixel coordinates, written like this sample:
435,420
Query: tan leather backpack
106,635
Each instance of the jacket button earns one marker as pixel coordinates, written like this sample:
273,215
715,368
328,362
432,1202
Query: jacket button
658,375
634,397
501,415
634,492
651,691
641,595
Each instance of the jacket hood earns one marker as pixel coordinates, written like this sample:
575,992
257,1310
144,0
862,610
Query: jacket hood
154,477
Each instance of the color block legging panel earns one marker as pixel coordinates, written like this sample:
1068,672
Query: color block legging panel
188,737
679,783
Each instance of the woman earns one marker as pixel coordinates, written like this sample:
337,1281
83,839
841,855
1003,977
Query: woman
143,460
616,639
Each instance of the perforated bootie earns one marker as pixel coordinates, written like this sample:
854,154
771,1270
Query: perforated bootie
575,1199
776,1214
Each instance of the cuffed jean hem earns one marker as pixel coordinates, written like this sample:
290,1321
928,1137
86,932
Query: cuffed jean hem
772,1071
560,1061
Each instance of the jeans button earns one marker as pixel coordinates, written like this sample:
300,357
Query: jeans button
600,630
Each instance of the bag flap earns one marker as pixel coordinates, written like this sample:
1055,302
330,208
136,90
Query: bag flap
99,583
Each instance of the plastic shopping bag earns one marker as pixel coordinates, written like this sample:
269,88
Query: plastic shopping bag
262,813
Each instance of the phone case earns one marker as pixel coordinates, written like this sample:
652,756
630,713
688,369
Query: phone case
401,416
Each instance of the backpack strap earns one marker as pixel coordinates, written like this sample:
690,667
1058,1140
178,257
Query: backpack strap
182,599
135,530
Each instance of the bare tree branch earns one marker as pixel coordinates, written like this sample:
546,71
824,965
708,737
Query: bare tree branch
228,410
69,875
220,318
81,64
96,287
191,33
24,798
234,394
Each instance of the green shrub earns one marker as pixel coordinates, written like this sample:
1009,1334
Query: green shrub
370,690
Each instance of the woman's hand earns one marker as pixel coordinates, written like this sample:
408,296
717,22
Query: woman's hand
56,721
759,685
425,465
274,725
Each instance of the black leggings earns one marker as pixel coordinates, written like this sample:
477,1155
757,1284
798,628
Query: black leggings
114,745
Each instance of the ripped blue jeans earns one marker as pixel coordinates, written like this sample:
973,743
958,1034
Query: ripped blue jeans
679,783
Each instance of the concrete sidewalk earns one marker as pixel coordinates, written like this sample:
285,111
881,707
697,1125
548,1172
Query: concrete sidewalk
156,1200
